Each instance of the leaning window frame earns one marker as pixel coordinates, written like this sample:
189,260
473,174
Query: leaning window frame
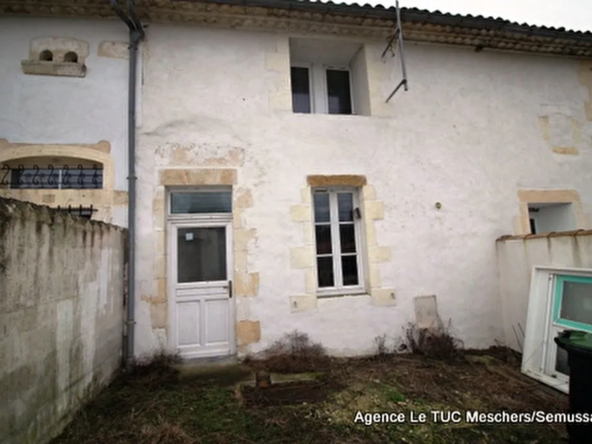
343,290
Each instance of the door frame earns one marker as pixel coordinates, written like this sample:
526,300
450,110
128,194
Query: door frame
175,221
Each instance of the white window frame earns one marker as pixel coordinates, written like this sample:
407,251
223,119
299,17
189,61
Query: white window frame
317,80
311,84
214,217
339,289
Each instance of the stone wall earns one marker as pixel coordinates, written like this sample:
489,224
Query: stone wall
61,316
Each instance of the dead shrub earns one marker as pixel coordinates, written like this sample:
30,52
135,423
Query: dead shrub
155,368
293,353
436,343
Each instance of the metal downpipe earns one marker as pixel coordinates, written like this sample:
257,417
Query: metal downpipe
136,34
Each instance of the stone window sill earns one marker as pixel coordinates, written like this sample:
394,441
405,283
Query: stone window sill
59,69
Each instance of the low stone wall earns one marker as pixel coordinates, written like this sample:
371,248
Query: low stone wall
61,316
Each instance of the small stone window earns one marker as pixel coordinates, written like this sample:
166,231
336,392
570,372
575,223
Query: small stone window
71,57
56,56
46,56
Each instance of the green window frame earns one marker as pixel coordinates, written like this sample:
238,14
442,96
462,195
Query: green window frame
560,280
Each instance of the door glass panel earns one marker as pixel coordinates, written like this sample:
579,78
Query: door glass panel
201,202
201,254
576,302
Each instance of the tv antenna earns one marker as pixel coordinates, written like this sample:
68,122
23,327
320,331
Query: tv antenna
396,40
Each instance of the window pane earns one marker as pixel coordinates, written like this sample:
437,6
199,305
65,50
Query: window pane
323,238
321,207
349,267
561,362
345,204
576,303
34,178
201,202
300,90
82,178
325,271
348,238
338,92
201,254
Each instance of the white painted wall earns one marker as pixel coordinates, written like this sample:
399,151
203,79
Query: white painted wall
516,259
63,110
466,134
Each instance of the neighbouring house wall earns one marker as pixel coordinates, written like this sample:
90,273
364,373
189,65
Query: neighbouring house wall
67,117
61,316
472,131
516,258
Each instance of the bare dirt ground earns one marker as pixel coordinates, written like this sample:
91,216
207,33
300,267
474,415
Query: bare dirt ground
154,405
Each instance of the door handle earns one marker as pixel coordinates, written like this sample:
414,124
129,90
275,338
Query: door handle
229,289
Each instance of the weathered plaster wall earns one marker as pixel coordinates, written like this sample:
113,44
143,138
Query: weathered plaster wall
61,316
516,259
48,111
467,135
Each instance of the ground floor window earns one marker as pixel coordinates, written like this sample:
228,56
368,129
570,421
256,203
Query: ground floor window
337,226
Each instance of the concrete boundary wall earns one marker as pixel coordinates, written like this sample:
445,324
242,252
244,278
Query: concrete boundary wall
517,255
61,316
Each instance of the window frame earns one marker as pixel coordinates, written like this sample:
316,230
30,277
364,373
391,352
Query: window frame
557,297
179,217
326,87
311,86
338,289
319,91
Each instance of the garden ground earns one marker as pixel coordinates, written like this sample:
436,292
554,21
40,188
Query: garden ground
160,404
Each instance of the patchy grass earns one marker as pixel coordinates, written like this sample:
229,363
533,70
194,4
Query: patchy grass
156,407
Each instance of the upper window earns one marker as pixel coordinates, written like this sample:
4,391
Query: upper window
330,94
55,177
201,202
328,77
337,238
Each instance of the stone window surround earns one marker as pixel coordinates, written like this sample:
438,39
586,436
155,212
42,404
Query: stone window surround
303,257
104,199
60,48
537,196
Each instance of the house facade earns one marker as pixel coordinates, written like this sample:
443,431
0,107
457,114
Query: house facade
277,188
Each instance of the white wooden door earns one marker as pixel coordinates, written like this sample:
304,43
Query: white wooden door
201,308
